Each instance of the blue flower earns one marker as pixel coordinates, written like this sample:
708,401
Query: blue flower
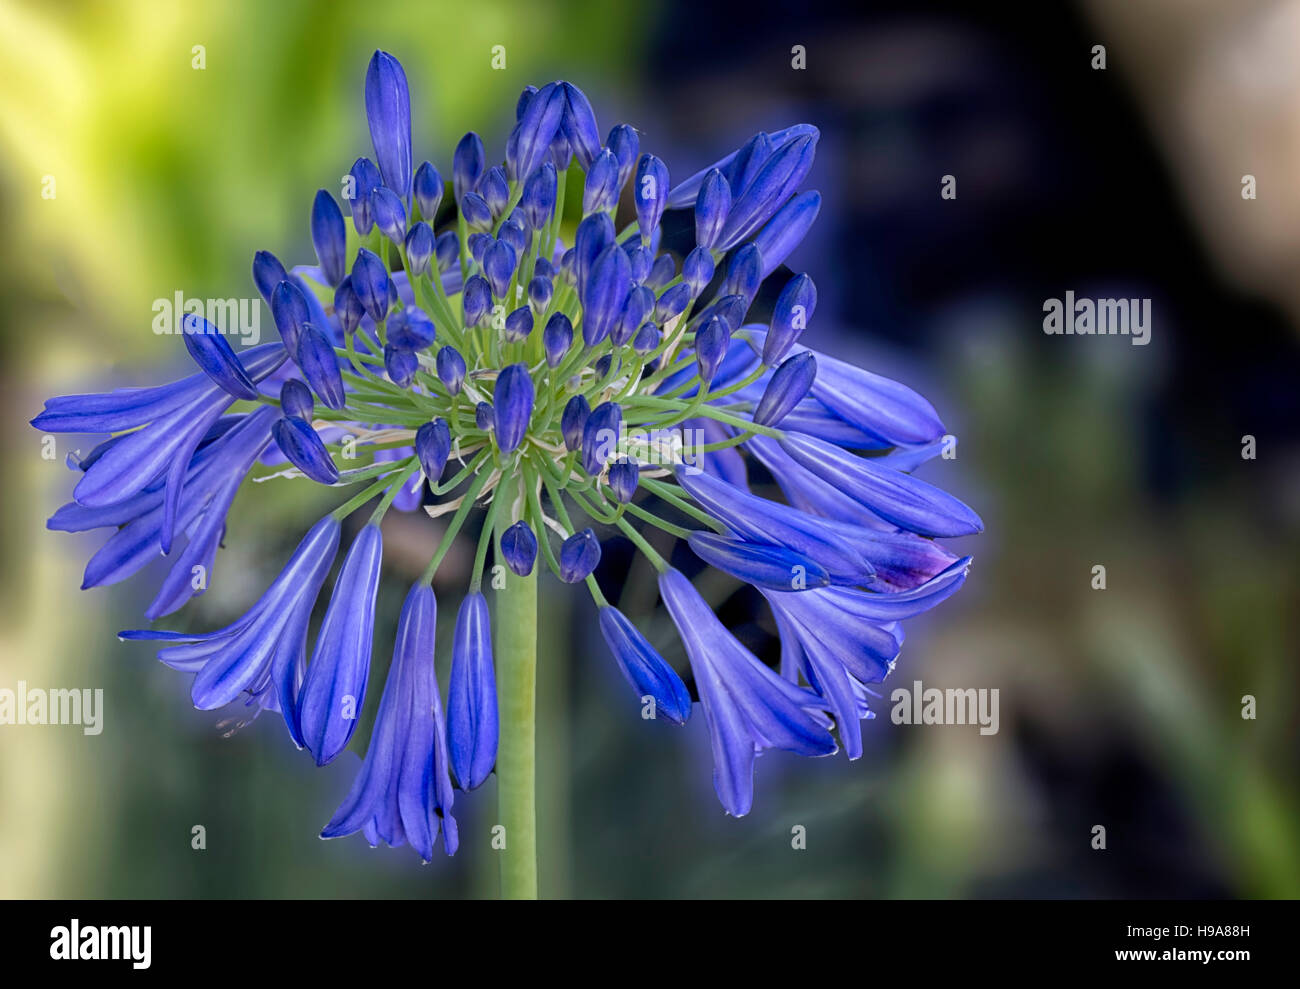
749,707
403,793
645,389
644,668
472,696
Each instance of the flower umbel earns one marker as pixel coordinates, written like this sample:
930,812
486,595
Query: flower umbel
468,347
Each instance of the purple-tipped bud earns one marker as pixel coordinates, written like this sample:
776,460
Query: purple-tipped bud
623,477
428,189
447,249
451,369
711,208
537,203
476,211
519,323
606,291
711,346
268,272
483,416
304,449
329,236
347,307
495,189
476,299
519,548
744,273
579,555
543,268
410,328
365,180
472,696
650,194
603,364
289,310
789,385
537,127
573,422
388,110
663,271
600,436
467,165
672,303
215,357
370,282
512,400
419,248
625,144
640,303
499,266
557,338
296,400
594,234
784,231
401,365
579,125
697,270
433,447
602,186
794,308
540,291
320,366
646,339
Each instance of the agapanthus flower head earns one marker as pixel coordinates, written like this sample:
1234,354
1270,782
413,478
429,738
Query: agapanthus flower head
561,382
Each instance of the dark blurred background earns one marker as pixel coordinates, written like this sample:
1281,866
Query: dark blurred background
1118,707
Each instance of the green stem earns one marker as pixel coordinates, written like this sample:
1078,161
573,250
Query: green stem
516,651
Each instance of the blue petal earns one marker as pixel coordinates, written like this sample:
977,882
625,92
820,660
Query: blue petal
334,689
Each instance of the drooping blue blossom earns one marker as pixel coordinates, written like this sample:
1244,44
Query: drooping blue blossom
645,669
472,696
748,706
403,793
334,688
